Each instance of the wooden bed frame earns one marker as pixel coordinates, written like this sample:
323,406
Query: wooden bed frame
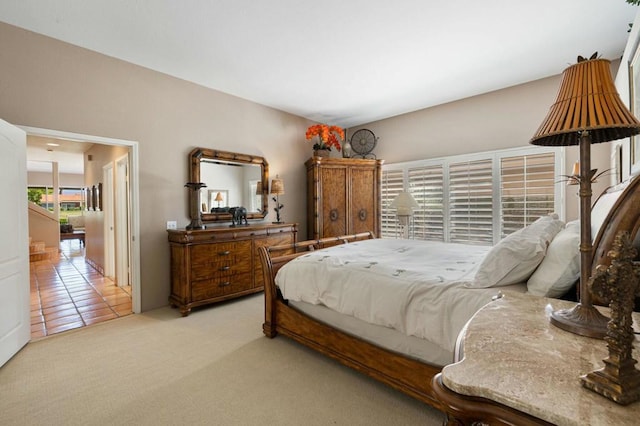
407,375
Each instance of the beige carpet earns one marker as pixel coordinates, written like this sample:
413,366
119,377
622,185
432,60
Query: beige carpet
213,367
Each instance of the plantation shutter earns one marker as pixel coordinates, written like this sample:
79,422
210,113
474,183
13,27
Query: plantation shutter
471,202
392,185
527,189
426,185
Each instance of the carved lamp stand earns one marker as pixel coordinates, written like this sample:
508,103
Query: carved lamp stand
619,284
194,204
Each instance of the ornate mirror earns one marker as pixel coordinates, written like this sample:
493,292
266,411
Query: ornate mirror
231,180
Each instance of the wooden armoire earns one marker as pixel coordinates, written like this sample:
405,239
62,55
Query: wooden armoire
343,196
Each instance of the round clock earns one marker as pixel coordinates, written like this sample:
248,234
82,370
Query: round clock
362,143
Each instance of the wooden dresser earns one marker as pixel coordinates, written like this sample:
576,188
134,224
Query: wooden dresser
343,196
220,262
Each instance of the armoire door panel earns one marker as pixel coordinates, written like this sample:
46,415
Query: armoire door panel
363,203
334,201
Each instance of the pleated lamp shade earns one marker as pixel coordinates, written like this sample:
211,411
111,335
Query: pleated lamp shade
277,186
587,100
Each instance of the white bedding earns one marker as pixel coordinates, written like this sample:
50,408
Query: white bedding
418,290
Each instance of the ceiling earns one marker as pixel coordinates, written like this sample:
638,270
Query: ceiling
344,62
42,151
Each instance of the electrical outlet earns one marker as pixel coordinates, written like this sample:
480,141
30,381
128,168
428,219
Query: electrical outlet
172,224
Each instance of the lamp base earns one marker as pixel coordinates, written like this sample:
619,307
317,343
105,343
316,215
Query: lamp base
582,319
619,383
195,224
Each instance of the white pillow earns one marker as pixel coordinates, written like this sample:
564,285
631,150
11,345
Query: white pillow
560,268
514,259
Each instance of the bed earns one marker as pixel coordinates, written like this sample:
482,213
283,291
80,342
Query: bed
397,349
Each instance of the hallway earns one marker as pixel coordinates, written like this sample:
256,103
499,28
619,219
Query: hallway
67,293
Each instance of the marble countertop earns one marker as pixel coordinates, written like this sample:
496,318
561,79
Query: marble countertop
514,356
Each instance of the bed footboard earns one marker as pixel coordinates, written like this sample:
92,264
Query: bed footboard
407,375
275,257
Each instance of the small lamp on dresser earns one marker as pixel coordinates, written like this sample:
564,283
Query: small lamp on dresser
277,189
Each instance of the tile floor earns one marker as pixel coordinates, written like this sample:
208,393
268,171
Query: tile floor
67,293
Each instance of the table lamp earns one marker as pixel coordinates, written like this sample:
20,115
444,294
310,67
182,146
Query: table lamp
587,110
277,189
404,203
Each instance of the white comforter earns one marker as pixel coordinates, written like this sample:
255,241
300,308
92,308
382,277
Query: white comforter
415,287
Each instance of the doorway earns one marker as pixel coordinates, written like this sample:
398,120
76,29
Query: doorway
132,193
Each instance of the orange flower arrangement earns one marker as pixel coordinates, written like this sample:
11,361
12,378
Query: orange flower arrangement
326,136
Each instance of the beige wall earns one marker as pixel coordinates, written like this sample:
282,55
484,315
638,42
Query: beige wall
48,84
100,155
506,118
45,83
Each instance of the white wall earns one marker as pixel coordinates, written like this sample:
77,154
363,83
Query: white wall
45,179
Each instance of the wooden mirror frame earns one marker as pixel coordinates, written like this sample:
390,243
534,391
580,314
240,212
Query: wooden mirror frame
198,154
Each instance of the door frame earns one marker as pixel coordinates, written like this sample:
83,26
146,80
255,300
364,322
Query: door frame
134,197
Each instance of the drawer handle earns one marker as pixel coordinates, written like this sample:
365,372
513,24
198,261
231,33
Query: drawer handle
225,284
224,268
224,253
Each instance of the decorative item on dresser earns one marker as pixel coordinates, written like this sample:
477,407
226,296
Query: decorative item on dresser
277,189
363,142
587,110
219,263
236,173
343,196
194,202
326,138
619,284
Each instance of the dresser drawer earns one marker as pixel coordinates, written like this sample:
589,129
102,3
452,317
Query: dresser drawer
220,286
209,261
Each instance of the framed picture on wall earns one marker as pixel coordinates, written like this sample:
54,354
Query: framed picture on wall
94,193
634,94
98,198
88,198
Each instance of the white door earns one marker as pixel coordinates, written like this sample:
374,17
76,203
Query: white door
15,327
109,231
123,226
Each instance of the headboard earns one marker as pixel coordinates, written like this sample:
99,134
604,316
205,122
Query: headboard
624,215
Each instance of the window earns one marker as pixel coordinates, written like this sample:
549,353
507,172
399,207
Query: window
527,190
477,198
392,181
426,184
71,200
